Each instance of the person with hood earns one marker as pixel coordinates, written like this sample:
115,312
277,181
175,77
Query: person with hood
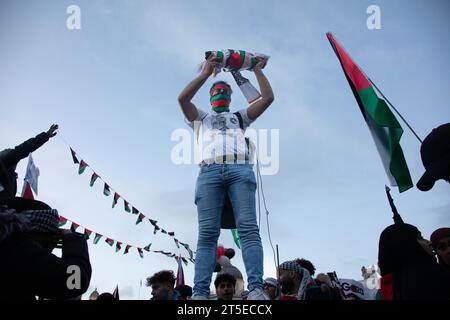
435,153
225,173
295,281
440,240
408,267
29,269
9,158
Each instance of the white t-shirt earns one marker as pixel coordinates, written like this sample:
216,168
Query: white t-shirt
218,134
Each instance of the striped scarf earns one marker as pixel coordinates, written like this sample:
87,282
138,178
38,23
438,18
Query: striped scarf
220,96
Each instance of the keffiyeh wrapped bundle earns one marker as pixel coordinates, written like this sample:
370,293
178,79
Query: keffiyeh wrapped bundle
234,60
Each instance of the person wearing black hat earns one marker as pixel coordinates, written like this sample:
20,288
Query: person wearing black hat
435,153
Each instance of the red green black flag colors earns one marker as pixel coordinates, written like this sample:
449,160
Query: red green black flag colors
384,127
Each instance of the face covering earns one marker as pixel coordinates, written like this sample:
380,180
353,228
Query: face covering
220,97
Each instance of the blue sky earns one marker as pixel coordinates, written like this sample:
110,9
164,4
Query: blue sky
112,88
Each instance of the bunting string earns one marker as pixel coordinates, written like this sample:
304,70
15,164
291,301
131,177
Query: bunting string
127,206
118,244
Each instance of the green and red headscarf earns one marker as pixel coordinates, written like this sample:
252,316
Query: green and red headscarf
220,96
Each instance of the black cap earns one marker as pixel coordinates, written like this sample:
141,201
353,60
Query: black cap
435,153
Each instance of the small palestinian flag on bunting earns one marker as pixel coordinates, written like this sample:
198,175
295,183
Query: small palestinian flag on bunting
140,218
127,248
177,242
74,226
153,222
156,229
134,211
147,247
126,206
83,166
93,178
141,253
163,231
74,157
106,190
62,221
97,238
109,241
87,233
115,199
118,246
171,234
184,261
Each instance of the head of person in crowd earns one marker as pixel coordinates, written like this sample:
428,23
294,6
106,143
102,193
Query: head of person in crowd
307,265
294,279
402,245
435,153
271,287
105,297
440,240
225,286
185,291
162,284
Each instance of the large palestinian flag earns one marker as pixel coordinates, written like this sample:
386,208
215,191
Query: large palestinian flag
384,127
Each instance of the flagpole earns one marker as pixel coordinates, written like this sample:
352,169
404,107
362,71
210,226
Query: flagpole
396,111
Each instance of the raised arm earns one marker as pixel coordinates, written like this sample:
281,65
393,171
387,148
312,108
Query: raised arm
185,97
259,106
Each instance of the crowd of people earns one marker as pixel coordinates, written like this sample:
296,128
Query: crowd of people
411,267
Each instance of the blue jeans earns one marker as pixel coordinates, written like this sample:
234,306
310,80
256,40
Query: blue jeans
240,183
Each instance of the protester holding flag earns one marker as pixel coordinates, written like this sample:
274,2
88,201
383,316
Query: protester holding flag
11,157
225,171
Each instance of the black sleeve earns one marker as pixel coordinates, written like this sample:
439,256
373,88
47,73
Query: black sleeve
23,150
52,275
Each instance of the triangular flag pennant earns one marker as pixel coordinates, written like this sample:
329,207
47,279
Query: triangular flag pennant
184,260
236,238
192,260
74,157
171,234
180,273
141,253
97,237
156,229
106,190
140,218
87,233
153,222
126,206
93,178
127,248
384,127
83,166
147,247
118,246
109,241
116,293
115,199
177,242
62,221
134,211
74,226
163,231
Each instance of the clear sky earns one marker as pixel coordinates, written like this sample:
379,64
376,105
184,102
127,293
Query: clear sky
112,86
